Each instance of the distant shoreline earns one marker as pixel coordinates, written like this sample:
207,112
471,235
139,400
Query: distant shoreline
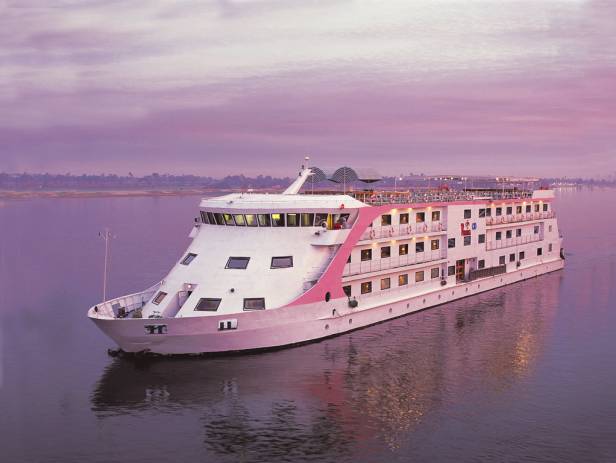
51,194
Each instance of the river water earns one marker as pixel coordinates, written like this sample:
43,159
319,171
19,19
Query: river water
522,373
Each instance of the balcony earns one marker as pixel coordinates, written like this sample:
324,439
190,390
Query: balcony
377,265
517,241
516,218
394,231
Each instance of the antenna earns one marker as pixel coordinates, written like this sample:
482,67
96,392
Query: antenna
107,236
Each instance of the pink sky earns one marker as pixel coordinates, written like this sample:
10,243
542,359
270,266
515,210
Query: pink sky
215,88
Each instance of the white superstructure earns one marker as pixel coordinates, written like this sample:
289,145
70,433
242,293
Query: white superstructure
269,270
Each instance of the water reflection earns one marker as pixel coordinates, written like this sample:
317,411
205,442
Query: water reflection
371,388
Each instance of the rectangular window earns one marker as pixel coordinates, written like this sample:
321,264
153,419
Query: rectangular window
499,236
207,304
481,238
436,216
518,209
550,228
467,241
385,283
536,207
228,219
451,270
518,232
366,287
403,279
451,243
508,234
385,252
550,247
211,218
251,220
419,276
264,220
435,245
467,213
239,263
536,230
539,251
419,246
435,273
528,208
277,220
189,258
499,211
159,297
482,212
403,249
292,220
239,220
488,212
385,220
366,254
509,210
254,303
282,262
347,290
522,255
307,220
501,260
404,218
481,264
512,257
220,220
420,217
204,218
545,208
320,220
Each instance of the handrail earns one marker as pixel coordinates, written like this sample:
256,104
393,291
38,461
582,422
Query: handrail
390,231
516,218
517,241
393,262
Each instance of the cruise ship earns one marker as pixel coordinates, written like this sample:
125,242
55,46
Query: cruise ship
266,271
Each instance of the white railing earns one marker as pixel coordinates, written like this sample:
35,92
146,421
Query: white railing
129,303
517,241
391,231
393,262
515,218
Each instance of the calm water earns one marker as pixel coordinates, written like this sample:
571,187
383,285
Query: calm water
524,373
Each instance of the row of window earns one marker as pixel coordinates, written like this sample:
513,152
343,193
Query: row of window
403,250
294,219
487,212
404,217
518,233
211,304
522,255
403,280
241,263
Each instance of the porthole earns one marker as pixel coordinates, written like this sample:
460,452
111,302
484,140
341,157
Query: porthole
328,296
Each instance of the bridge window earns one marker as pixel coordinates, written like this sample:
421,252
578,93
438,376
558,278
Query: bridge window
320,219
211,218
264,220
159,297
277,220
282,262
239,220
292,220
307,220
189,258
254,303
208,304
228,219
239,263
251,220
219,218
204,218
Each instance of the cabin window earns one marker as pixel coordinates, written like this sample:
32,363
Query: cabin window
385,283
159,297
481,263
385,252
264,220
508,234
251,220
451,270
228,219
539,251
366,254
537,207
550,247
512,257
499,236
435,273
545,208
481,238
385,220
219,218
499,211
404,218
366,287
320,219
518,209
509,210
254,303
292,220
419,246
467,213
189,258
501,260
550,228
277,220
403,249
282,262
420,217
403,279
488,212
238,263
482,212
436,216
522,255
307,220
528,208
467,241
536,230
239,220
207,304
347,290
518,232
419,276
451,243
435,245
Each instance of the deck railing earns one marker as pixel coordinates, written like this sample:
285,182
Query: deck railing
516,218
517,241
392,231
393,262
406,197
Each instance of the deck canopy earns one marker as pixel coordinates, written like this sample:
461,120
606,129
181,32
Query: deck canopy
344,175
